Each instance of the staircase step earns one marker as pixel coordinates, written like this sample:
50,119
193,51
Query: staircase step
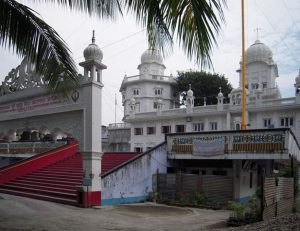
65,169
61,181
40,197
40,191
55,184
43,187
57,175
54,178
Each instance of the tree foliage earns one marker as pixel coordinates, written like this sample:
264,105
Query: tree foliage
194,23
205,86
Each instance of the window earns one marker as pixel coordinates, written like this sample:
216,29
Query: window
286,121
166,129
198,127
150,130
138,149
267,123
155,105
136,91
195,171
213,126
158,91
180,128
148,148
264,85
138,131
254,86
238,99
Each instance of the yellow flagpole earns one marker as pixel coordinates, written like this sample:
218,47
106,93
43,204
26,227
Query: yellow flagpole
244,125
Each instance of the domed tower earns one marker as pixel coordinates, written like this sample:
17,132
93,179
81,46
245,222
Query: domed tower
261,72
151,89
93,65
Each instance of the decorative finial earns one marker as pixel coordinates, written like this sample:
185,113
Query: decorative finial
190,86
220,88
257,29
93,38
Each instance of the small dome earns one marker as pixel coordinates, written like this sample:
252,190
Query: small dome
259,52
239,90
93,52
220,93
151,56
190,92
236,90
298,78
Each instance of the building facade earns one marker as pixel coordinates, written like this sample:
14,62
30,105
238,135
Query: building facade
150,104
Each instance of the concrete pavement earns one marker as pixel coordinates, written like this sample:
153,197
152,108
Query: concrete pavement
19,213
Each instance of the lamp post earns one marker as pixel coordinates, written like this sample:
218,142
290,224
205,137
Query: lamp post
244,124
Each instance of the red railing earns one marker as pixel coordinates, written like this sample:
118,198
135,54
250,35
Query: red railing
36,162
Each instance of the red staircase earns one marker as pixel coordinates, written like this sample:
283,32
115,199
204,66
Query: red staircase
53,176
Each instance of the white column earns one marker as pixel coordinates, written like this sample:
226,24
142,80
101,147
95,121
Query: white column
92,170
228,121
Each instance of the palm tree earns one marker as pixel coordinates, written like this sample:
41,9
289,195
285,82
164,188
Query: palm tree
194,23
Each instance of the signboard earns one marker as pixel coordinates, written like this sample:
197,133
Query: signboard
212,144
33,104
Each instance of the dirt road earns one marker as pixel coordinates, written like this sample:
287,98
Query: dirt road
18,213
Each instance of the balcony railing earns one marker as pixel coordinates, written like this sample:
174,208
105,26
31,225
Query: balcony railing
118,125
151,77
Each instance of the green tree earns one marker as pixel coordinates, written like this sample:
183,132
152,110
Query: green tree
194,23
205,86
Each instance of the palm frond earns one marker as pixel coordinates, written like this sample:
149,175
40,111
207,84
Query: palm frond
196,24
28,35
150,15
101,8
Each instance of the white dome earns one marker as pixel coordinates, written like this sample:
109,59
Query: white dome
238,90
235,90
151,56
220,94
259,52
93,52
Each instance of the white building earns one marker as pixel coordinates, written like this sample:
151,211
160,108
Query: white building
150,108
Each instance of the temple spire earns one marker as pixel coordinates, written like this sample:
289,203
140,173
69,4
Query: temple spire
257,29
93,38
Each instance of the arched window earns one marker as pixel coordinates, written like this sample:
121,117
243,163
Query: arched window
158,91
233,100
136,91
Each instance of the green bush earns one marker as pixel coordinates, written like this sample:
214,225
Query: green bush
199,198
238,209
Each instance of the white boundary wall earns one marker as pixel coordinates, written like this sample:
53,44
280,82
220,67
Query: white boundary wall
132,181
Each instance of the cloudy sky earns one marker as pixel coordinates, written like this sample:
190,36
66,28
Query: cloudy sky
123,42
